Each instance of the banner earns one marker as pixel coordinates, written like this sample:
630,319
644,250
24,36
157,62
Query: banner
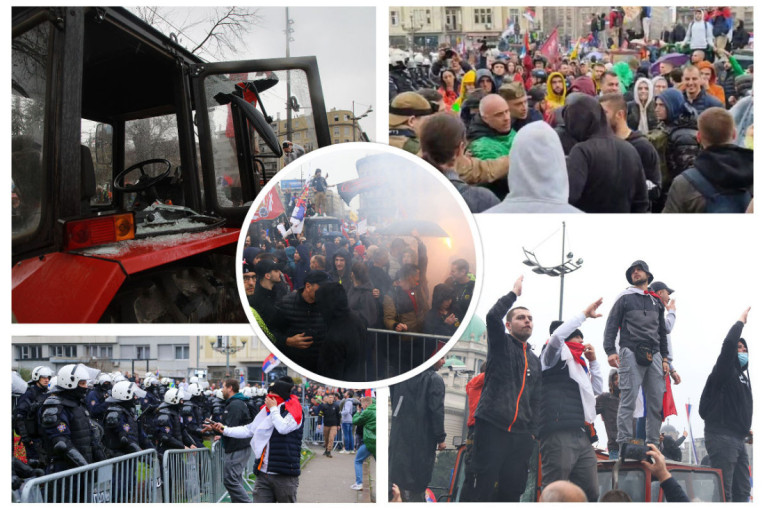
349,189
550,49
271,207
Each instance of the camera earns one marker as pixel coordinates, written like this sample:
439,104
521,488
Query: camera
635,452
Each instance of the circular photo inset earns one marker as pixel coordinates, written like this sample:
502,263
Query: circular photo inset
359,265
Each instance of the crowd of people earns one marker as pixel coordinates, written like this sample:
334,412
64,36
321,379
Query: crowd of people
317,299
659,127
80,415
522,404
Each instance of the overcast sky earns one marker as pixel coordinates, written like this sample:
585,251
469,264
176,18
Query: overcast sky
341,38
712,275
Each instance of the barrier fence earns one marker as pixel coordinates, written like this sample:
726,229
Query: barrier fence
218,466
313,433
131,478
188,476
392,353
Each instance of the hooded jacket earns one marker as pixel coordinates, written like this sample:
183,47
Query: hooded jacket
367,419
713,89
638,318
302,266
642,117
486,142
538,179
467,79
648,156
480,73
343,278
675,139
605,173
585,85
726,402
342,354
554,100
512,392
235,413
728,168
296,315
361,301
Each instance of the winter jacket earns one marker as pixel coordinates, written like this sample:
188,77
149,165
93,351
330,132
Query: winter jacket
361,301
605,173
342,354
512,392
417,427
302,266
648,156
740,38
477,199
295,315
728,168
633,110
532,116
367,420
703,101
638,318
235,413
726,401
538,179
481,73
398,308
486,142
675,138
474,388
343,278
671,448
435,325
264,302
330,414
463,293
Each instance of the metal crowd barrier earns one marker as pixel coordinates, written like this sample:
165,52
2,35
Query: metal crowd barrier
313,433
131,478
218,466
391,353
188,476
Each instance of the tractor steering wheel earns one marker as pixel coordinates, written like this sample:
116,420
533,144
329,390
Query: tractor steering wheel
144,182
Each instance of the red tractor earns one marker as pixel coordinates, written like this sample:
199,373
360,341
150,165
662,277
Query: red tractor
134,163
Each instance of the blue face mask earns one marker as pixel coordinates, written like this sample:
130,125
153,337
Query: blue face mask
743,358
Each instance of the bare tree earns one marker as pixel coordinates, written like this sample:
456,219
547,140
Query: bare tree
224,28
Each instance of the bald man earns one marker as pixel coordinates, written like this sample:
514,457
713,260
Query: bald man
562,491
489,134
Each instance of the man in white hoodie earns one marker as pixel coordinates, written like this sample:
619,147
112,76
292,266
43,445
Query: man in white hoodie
277,433
569,387
699,35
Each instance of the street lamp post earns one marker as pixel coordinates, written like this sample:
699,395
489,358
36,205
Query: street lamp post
354,118
566,266
224,346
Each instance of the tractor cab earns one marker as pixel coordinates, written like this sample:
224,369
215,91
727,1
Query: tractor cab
133,163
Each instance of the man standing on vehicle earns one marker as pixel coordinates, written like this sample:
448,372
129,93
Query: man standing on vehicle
319,187
569,388
638,317
726,406
507,417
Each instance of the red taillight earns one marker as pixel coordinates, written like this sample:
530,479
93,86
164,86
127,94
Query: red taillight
101,230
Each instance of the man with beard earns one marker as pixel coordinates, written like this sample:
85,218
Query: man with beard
508,413
616,112
25,412
722,175
341,269
416,432
518,104
607,406
69,437
642,360
726,406
248,275
490,134
605,173
556,91
236,452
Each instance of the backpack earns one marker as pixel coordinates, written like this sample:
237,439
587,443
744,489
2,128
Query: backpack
720,26
725,201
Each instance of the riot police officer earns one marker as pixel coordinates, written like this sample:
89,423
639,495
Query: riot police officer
123,431
169,432
70,438
192,415
218,404
96,398
25,413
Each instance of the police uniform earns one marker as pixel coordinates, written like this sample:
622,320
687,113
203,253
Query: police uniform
69,437
25,419
124,433
96,402
193,420
169,432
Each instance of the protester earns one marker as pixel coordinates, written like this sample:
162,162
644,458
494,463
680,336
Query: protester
562,491
607,406
366,420
329,411
342,353
406,113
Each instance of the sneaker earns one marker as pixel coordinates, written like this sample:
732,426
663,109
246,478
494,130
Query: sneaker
357,487
329,454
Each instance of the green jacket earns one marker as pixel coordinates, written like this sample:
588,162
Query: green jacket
492,147
368,419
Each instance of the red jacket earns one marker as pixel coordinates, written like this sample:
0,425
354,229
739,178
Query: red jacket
473,389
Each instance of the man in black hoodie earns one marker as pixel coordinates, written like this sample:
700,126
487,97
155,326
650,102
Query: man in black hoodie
722,175
342,354
616,111
264,299
726,406
508,413
605,173
341,269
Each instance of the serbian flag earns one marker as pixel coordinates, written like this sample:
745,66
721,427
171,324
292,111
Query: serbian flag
668,404
271,207
430,497
530,14
270,363
550,49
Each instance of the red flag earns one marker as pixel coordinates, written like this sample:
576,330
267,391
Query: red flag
668,405
271,207
550,49
526,42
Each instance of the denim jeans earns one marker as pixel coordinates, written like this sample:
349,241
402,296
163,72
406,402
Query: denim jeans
361,455
348,436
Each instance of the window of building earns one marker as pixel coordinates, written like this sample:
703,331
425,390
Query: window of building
30,352
63,351
337,118
100,351
427,16
451,19
181,352
142,352
336,131
393,18
347,117
482,16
